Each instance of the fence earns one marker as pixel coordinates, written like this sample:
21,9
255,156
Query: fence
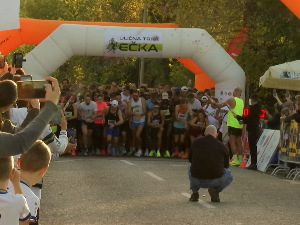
289,149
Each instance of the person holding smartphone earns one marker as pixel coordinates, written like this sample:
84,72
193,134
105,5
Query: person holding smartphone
12,143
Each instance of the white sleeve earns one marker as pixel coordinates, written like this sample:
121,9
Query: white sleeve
59,145
24,210
95,107
33,204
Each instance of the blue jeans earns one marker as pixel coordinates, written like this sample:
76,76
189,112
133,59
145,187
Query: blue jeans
219,183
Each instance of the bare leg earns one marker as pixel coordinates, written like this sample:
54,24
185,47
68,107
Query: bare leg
85,135
138,136
159,136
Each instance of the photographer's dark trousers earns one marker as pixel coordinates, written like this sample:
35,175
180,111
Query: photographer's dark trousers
252,139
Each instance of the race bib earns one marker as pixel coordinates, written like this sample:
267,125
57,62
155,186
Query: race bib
137,111
99,117
68,114
166,112
155,121
181,116
200,123
111,122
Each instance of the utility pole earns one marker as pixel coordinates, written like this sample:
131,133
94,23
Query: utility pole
142,66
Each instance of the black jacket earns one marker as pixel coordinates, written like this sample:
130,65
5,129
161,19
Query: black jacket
208,157
295,117
274,122
252,120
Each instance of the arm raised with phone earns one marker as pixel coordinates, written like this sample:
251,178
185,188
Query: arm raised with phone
14,144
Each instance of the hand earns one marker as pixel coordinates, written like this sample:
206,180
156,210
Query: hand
13,70
71,146
88,120
111,126
52,92
186,125
15,176
63,123
235,116
35,103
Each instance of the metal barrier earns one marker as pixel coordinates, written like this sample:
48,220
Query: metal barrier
289,150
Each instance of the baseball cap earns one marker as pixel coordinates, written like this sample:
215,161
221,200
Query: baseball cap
165,95
204,98
184,88
114,103
177,89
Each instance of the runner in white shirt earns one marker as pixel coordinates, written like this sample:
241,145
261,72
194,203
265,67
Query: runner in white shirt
211,119
125,95
194,103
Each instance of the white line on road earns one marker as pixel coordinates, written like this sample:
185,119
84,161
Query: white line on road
207,205
129,163
154,176
65,161
177,165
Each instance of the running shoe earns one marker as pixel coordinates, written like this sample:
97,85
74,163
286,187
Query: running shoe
175,152
146,152
109,150
167,154
158,154
98,151
113,152
138,153
123,150
103,152
152,153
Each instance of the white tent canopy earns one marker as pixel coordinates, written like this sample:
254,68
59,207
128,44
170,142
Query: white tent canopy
283,76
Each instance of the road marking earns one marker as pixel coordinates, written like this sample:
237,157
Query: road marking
154,176
65,161
177,165
205,204
129,163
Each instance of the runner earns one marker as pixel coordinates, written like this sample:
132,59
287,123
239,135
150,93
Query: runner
113,120
124,128
155,124
180,127
167,108
99,125
88,112
137,111
234,126
198,125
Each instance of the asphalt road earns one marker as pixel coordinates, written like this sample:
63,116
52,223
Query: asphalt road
102,190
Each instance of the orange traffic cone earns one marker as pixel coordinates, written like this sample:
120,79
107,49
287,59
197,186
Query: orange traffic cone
244,162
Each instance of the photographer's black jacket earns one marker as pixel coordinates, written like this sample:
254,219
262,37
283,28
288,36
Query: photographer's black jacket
252,120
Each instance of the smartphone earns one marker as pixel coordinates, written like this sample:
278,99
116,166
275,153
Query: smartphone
18,60
31,89
56,119
2,61
72,134
274,92
25,77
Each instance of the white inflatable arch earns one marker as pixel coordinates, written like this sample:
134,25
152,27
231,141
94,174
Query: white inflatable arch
89,40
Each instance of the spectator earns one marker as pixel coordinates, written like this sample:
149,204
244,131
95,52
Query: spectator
13,207
16,144
274,121
209,162
31,173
